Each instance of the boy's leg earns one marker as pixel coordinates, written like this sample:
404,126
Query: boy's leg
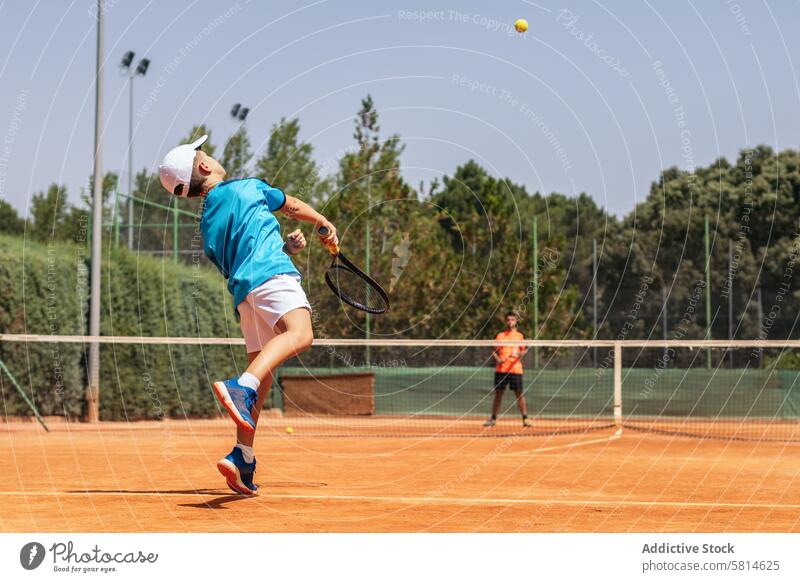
518,392
296,337
280,307
523,407
498,399
292,328
245,437
499,384
238,467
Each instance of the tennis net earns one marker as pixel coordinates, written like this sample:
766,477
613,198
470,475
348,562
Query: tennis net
395,388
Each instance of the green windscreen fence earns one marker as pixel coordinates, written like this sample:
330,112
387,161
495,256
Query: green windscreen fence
461,391
733,394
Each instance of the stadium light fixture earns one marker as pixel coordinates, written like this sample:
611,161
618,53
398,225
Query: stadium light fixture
239,114
140,71
141,68
127,59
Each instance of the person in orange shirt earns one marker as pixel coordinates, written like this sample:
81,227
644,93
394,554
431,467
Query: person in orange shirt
508,370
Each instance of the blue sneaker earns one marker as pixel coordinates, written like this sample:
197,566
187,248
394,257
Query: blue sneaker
238,401
238,473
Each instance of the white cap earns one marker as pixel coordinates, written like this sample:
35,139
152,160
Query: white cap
176,168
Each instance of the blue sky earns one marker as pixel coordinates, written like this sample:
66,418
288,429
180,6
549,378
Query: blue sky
595,97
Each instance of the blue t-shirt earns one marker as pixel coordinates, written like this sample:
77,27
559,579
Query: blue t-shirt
242,237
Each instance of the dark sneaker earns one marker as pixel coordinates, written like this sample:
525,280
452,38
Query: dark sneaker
238,473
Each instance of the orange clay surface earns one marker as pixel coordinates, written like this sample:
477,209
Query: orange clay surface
144,477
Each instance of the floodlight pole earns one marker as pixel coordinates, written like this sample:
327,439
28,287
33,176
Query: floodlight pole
535,252
664,319
239,114
241,148
730,298
707,245
760,315
594,297
140,69
368,323
93,389
130,158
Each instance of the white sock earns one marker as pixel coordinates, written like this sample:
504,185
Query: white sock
247,379
247,452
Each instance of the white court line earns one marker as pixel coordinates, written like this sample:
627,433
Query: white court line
428,500
614,437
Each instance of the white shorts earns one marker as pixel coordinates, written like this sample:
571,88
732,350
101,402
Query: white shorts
264,306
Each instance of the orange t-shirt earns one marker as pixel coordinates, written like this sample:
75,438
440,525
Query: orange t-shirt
510,356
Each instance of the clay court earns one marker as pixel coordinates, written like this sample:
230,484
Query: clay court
161,477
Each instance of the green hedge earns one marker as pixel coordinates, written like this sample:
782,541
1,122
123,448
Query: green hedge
41,290
44,289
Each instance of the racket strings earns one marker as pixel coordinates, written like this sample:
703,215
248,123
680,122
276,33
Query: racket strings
355,290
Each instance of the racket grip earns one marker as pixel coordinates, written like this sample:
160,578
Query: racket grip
333,248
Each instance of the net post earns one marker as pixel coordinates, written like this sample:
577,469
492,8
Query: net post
618,384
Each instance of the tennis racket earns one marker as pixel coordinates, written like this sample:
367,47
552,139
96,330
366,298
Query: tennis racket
352,285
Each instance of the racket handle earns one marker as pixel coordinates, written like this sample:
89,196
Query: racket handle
333,247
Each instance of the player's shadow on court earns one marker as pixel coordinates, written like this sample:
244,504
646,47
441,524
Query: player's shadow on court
219,502
216,503
222,495
149,491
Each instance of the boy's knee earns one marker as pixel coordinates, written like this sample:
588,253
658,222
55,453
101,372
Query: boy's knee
305,339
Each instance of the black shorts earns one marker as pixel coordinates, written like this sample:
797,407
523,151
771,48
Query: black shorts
513,381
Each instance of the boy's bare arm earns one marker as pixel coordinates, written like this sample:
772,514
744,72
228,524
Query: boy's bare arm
299,210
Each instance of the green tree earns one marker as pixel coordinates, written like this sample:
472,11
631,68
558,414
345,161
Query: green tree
372,202
110,180
404,241
10,221
290,166
488,222
236,154
474,207
751,206
199,131
49,211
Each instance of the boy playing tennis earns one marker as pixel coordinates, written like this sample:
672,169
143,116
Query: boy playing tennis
243,239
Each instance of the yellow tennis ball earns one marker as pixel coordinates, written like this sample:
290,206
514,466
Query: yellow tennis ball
289,430
521,25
